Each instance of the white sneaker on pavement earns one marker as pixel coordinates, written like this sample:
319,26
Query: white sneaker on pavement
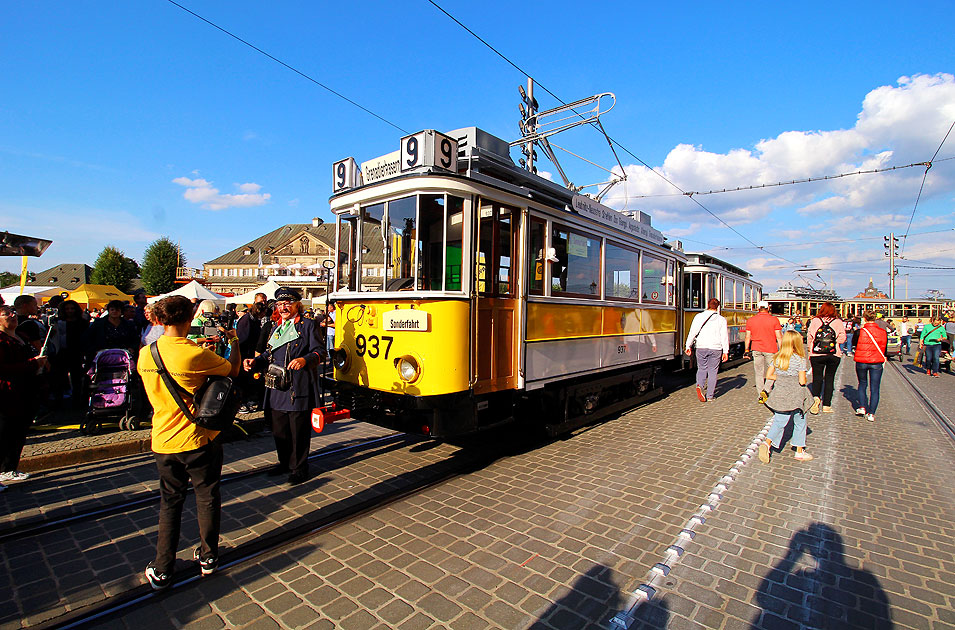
14,475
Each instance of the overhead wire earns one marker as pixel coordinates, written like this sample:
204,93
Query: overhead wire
610,139
293,69
788,183
922,185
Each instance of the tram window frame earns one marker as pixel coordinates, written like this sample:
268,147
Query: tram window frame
688,286
714,287
646,292
489,262
448,215
561,247
633,271
536,255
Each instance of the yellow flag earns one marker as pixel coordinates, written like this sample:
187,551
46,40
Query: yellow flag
23,274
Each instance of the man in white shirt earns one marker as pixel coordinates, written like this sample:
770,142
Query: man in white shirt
709,331
905,333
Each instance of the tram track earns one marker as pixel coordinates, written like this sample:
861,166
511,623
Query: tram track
35,527
943,421
263,547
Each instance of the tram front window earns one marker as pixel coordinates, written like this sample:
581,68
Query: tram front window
414,242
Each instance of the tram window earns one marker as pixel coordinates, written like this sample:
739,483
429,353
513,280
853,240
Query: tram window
712,287
693,290
401,247
671,284
654,279
622,273
495,250
347,231
577,270
536,231
430,245
738,295
372,255
455,238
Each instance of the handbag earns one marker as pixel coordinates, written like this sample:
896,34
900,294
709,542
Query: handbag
277,377
217,400
692,342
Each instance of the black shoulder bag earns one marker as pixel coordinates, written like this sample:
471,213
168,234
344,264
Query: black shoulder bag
217,400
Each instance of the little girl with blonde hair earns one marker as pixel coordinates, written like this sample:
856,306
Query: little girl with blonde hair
789,398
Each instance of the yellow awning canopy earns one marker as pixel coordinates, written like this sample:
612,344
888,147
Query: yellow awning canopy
98,295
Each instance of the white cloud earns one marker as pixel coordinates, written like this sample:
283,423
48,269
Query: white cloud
201,191
897,125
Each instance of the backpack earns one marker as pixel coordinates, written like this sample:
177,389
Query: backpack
824,341
217,400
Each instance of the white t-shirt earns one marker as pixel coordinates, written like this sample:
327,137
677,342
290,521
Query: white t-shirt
903,328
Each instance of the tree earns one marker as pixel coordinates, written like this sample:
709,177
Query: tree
8,279
113,267
159,266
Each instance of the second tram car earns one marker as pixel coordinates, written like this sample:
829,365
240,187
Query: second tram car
706,277
471,292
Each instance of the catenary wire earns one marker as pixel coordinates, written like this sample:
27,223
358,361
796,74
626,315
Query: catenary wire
611,140
293,69
922,185
788,183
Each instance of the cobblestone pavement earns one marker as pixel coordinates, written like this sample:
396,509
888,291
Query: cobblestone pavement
941,390
47,574
551,538
861,537
557,537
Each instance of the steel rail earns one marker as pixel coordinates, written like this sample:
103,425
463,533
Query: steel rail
89,616
943,421
41,526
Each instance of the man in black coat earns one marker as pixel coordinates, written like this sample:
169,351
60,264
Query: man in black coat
294,346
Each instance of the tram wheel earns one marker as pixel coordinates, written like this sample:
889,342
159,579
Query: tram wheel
132,424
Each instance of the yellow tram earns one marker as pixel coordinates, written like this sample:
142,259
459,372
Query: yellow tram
471,292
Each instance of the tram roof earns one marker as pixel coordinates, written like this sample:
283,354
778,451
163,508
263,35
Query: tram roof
485,158
706,259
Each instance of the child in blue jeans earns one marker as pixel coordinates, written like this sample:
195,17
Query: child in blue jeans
789,396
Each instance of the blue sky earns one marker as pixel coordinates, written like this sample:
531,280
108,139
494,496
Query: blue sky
123,122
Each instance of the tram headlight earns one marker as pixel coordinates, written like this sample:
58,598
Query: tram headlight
409,369
339,357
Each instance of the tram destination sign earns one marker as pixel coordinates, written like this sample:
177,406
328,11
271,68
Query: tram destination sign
606,215
423,150
384,167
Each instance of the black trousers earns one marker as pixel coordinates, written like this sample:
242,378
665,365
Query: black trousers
203,467
14,426
292,431
824,376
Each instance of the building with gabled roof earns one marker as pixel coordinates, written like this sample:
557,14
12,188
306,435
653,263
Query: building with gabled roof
291,255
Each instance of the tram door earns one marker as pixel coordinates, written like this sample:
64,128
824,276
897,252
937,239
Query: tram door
496,340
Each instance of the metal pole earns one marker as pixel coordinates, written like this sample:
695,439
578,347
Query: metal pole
891,265
532,127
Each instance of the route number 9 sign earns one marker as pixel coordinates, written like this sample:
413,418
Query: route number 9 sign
344,175
428,148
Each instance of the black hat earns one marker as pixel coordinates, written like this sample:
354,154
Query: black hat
287,294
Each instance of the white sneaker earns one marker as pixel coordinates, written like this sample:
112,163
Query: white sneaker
14,475
860,411
870,417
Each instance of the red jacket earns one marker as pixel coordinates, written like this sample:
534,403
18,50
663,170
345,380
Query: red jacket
865,350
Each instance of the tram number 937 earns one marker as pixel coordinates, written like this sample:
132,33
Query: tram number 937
373,345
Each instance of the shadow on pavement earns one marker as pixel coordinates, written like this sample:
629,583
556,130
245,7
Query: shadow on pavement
593,599
829,595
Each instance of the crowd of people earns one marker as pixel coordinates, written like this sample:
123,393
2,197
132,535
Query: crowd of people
46,356
794,377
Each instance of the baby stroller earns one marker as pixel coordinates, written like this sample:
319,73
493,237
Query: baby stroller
113,391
